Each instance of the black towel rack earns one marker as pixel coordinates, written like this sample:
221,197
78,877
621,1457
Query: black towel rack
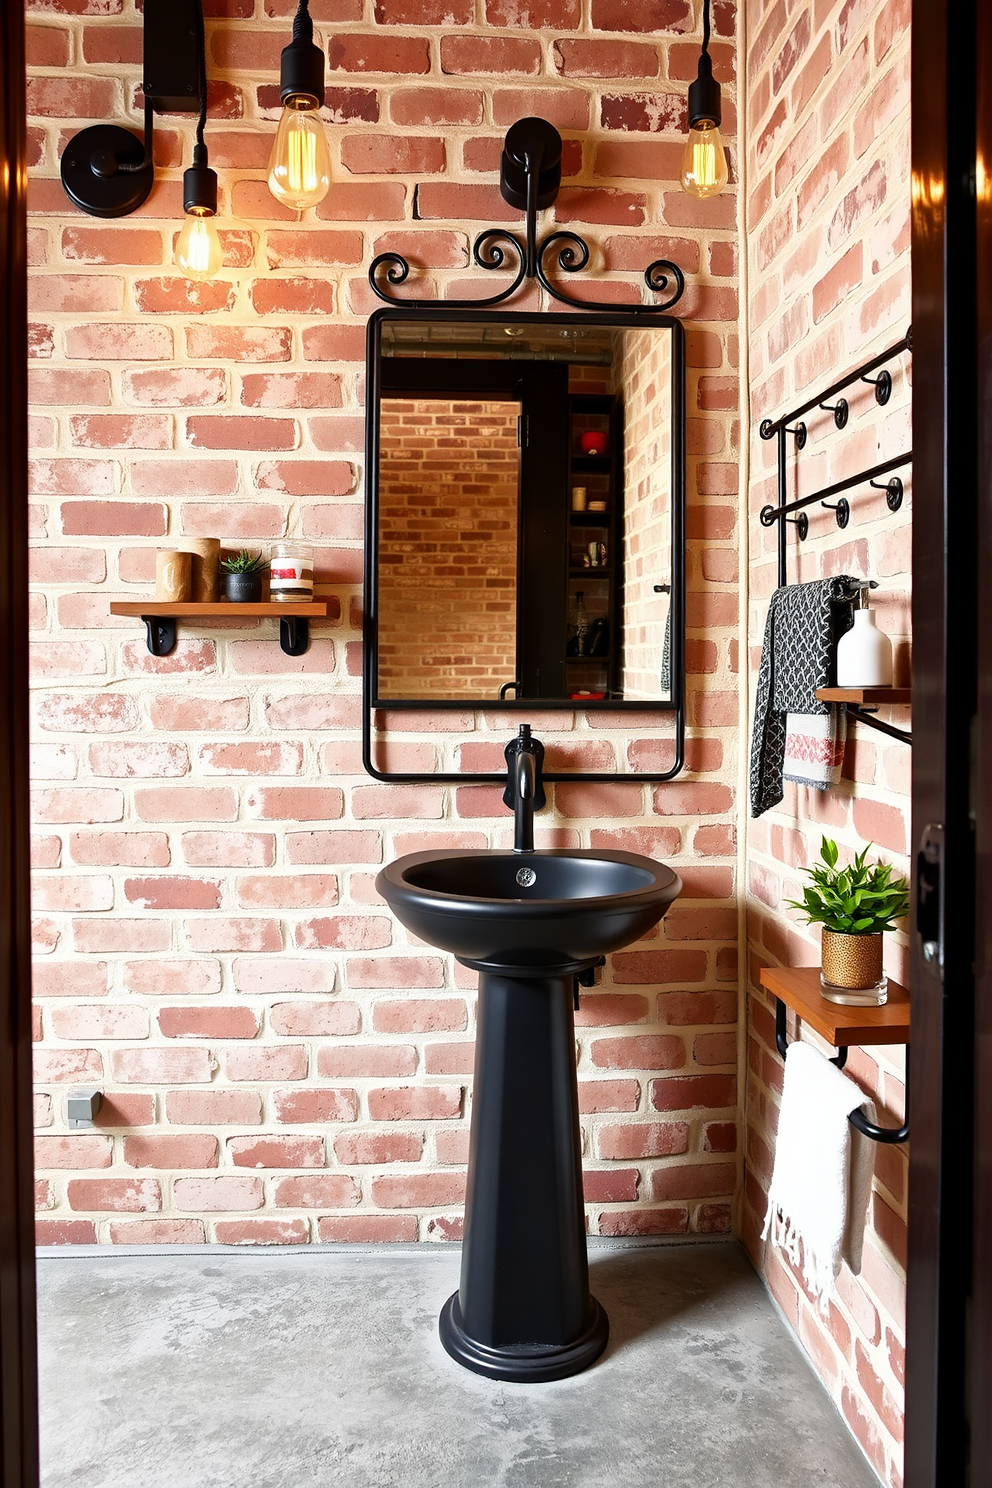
792,424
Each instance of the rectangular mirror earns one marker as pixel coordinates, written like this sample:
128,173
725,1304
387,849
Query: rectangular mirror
525,515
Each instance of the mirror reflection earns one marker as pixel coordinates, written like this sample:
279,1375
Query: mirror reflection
528,509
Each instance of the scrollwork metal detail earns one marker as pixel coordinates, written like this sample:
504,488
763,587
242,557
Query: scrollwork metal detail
491,251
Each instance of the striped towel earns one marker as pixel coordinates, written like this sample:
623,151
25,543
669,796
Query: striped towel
814,748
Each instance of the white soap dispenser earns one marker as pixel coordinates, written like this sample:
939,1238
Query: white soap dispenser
864,653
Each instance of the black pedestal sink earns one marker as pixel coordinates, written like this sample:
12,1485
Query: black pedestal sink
533,925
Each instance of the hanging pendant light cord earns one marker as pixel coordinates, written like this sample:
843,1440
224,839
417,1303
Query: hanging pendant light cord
706,25
200,147
302,22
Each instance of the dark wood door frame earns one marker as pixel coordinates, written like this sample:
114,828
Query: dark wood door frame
18,1364
949,1320
979,1379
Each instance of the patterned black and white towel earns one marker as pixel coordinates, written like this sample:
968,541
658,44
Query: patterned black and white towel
665,678
803,626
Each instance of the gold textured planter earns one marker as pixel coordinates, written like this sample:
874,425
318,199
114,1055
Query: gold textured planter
851,969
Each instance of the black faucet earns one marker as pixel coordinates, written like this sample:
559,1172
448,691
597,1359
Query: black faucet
524,792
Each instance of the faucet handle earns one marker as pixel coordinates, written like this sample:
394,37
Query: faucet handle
524,743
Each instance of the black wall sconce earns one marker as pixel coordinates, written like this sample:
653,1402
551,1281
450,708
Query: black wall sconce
106,169
530,176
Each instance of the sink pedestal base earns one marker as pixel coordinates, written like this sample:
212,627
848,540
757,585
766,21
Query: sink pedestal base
523,1310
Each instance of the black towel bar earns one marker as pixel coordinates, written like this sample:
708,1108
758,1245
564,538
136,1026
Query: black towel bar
772,426
769,515
885,1134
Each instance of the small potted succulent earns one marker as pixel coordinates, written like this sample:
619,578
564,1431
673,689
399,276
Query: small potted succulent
855,905
243,576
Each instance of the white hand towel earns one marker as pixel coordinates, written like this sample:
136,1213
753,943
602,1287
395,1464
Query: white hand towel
821,1181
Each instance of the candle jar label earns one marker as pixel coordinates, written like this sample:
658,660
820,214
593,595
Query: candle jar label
291,573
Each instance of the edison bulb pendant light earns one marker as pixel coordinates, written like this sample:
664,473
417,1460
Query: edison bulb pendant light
704,163
198,252
300,163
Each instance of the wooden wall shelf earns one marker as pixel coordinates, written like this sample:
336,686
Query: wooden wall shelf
160,618
799,988
879,697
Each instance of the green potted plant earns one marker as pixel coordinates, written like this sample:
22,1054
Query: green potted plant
855,905
243,576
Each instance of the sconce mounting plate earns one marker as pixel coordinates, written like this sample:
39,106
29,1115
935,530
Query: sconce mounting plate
105,171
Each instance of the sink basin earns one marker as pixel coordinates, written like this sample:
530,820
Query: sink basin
528,909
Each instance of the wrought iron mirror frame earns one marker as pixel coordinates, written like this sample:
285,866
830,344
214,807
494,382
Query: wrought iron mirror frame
371,703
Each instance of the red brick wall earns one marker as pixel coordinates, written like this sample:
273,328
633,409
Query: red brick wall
281,1063
448,486
829,285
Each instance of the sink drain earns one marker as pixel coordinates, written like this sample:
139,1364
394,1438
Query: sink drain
526,877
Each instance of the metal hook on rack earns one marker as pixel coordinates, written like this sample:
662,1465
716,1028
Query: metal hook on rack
882,385
800,432
801,524
840,411
841,510
893,492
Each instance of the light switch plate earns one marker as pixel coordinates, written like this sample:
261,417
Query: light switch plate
81,1107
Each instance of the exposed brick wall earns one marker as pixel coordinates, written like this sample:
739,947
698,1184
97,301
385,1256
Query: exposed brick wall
281,1062
829,286
448,483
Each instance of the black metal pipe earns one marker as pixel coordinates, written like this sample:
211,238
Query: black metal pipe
782,1036
858,1119
783,572
772,426
770,514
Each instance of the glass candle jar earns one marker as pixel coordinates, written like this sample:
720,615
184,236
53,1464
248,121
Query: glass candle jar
291,573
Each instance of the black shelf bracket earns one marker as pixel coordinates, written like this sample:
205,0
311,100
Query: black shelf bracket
888,1135
294,634
160,632
867,716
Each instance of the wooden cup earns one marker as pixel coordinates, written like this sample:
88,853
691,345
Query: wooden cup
205,582
172,575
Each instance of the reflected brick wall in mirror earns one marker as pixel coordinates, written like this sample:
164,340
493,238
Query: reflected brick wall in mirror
448,485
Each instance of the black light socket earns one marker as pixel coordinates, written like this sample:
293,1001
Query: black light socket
704,94
200,185
527,142
301,66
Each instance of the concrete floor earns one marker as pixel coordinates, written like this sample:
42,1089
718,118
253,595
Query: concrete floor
321,1368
